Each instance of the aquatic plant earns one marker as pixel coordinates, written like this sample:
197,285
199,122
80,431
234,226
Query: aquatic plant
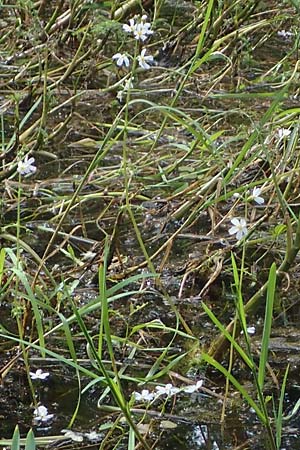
146,149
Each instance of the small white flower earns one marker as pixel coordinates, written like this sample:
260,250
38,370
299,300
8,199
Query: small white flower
144,396
251,330
41,414
239,228
26,167
167,390
193,387
144,60
120,96
256,196
283,132
128,84
147,27
285,34
39,375
76,437
121,59
142,31
126,87
129,28
88,255
93,436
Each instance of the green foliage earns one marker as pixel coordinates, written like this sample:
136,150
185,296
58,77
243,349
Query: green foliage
17,443
259,404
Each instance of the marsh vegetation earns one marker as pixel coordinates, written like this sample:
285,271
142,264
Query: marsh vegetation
149,224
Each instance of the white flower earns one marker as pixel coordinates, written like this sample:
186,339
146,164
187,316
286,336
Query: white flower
39,375
193,387
88,255
142,31
76,437
93,436
285,34
256,196
283,132
144,60
41,414
120,95
251,330
239,228
129,28
126,87
144,396
128,84
167,390
121,59
26,167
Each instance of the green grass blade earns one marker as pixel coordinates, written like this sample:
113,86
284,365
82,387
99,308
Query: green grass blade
267,326
2,261
228,336
279,417
15,445
30,441
237,385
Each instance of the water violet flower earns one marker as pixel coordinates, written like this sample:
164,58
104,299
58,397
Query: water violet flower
26,167
144,60
169,390
39,375
129,28
121,59
144,396
283,132
126,87
142,31
285,34
41,414
251,330
256,196
193,387
239,228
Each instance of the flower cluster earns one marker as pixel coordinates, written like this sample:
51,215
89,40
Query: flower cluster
40,413
141,30
167,391
239,227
